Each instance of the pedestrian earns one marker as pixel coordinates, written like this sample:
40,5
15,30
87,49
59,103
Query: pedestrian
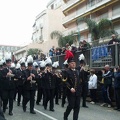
117,87
107,76
73,90
92,85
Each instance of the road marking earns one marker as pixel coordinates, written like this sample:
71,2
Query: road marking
50,117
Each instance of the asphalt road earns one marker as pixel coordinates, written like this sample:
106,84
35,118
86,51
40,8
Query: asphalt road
94,112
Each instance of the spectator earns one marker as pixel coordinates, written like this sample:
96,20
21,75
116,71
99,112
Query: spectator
52,51
68,47
107,84
73,48
92,85
63,50
111,48
117,87
80,46
58,51
85,45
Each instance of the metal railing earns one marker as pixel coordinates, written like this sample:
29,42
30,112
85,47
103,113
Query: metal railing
96,57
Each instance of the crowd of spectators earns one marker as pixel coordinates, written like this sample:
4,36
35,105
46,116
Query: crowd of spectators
83,45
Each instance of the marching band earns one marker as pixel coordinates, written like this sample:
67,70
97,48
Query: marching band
43,77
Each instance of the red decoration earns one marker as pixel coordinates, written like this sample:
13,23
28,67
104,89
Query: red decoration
68,55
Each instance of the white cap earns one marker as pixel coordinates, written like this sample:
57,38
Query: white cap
55,64
48,61
12,65
81,57
22,60
65,63
35,64
42,63
29,59
18,66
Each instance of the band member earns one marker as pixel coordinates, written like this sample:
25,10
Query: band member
57,76
64,88
48,83
20,79
29,86
39,83
8,85
1,112
73,90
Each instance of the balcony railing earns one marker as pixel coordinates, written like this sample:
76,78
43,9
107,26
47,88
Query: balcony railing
84,10
68,31
70,3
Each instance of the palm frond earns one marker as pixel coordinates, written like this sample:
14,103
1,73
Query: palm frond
56,34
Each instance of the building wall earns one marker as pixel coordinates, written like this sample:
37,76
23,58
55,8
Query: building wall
110,10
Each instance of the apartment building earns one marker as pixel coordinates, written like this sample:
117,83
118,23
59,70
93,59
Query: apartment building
94,9
7,49
46,22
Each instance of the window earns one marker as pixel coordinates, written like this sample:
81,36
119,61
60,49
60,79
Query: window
116,10
52,6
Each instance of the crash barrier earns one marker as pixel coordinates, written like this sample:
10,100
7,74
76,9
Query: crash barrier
95,57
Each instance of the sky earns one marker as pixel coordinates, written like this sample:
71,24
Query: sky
16,20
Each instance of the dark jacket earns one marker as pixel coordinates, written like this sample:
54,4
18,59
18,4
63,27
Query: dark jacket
8,83
108,78
48,81
117,80
20,75
27,84
73,81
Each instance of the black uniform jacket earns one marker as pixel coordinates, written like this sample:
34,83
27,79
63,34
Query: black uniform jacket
30,84
20,75
48,81
8,83
73,81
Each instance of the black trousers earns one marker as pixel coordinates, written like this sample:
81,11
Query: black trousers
73,103
48,96
20,93
39,95
117,96
1,112
93,95
84,93
8,96
56,95
64,95
29,95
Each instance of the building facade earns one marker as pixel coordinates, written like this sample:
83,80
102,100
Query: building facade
7,49
93,9
46,22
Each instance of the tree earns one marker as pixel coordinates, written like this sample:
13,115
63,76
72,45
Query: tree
32,51
98,30
62,40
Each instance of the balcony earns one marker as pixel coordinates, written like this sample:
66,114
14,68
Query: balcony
85,10
68,31
69,4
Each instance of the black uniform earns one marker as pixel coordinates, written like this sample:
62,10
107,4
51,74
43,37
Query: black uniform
64,87
48,84
57,88
84,85
73,81
40,89
29,90
20,75
8,89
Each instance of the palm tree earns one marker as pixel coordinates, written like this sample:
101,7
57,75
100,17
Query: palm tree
62,40
98,30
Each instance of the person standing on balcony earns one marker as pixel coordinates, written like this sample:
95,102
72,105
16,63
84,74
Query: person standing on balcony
111,47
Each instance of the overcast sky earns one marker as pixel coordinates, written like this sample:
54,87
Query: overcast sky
17,18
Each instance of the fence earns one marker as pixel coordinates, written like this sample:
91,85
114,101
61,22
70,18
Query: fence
96,57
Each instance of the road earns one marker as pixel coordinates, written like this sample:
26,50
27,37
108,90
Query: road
94,112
